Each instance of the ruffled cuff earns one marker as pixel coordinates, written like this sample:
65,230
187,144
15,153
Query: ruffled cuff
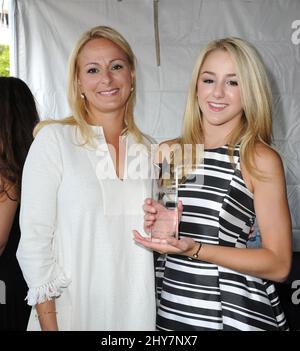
47,291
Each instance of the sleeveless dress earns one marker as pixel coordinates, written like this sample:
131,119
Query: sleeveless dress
14,311
197,295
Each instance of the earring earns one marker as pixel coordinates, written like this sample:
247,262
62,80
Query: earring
132,89
82,95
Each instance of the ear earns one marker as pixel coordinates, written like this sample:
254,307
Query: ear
78,82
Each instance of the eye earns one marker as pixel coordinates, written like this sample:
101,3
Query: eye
93,70
232,83
208,81
116,67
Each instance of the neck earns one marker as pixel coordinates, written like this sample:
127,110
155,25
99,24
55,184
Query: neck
212,140
218,135
112,123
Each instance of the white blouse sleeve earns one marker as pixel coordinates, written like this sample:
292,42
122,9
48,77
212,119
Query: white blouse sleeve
41,179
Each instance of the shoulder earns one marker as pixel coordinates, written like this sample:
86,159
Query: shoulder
51,140
53,127
48,149
267,160
269,168
54,131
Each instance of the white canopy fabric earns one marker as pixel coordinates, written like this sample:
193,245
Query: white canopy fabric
44,33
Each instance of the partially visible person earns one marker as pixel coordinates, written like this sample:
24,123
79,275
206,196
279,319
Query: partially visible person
80,202
212,281
18,117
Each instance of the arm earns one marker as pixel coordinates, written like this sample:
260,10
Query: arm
47,315
271,261
40,183
8,209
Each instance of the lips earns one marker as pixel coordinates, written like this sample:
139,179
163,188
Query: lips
110,92
216,107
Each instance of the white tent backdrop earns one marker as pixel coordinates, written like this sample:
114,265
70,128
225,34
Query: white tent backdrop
44,32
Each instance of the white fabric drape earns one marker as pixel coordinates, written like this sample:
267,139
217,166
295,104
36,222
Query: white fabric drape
45,31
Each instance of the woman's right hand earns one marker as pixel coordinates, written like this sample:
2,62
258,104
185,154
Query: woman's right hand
158,218
150,212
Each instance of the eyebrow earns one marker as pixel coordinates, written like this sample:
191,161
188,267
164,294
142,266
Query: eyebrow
97,63
227,75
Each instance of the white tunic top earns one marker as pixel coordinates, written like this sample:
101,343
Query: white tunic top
76,234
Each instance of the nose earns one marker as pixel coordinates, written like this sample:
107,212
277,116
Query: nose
106,76
218,91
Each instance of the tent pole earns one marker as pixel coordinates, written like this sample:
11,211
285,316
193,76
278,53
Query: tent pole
156,31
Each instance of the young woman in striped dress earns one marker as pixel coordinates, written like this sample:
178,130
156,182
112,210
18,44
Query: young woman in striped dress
211,280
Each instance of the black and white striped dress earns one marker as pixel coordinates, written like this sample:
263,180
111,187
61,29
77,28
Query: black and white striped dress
196,295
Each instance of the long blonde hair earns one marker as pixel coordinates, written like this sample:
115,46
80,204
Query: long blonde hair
77,104
256,123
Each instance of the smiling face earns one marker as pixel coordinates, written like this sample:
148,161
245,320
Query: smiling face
218,91
104,77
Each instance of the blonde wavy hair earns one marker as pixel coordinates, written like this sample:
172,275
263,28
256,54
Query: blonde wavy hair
256,123
77,104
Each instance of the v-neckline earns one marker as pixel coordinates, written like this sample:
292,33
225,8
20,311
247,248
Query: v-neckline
99,134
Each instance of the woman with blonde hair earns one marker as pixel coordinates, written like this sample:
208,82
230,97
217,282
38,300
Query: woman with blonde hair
211,280
76,252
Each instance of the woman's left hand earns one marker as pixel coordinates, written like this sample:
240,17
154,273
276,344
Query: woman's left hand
168,245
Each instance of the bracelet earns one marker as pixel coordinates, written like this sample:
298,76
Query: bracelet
195,255
42,313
